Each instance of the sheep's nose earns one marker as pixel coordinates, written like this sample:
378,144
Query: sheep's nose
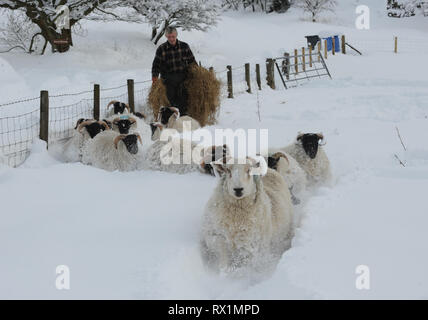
238,191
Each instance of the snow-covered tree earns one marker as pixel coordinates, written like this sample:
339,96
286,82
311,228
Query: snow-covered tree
18,32
184,14
258,5
45,14
315,7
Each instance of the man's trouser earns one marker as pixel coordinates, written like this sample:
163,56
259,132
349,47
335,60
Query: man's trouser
175,91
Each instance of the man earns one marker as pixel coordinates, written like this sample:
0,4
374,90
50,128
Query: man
171,61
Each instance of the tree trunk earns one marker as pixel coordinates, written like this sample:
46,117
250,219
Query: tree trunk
161,31
154,33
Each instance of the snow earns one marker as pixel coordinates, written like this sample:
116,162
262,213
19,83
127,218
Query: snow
134,235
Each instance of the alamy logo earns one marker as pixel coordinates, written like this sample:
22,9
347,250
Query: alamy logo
363,280
363,20
62,281
181,150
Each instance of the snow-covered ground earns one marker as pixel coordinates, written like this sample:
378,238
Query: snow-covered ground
135,235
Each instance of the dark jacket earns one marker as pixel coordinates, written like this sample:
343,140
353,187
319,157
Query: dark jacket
172,59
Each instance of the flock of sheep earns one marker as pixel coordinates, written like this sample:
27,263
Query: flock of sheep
248,221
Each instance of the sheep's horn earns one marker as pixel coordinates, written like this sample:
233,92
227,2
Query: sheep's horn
299,136
111,102
85,123
103,123
158,124
176,111
79,122
139,138
127,107
320,135
278,155
117,139
116,120
132,120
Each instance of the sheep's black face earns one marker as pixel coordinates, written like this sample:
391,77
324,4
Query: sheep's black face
273,162
131,143
119,107
208,169
124,125
94,128
310,144
166,113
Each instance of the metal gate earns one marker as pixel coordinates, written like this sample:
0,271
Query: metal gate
297,69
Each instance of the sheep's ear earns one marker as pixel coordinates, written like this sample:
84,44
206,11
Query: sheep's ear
299,136
259,166
320,136
219,168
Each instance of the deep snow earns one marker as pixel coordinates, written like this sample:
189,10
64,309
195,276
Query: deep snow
135,235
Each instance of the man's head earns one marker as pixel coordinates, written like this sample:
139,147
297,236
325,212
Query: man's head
171,35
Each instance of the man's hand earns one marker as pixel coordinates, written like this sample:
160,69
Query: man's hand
154,79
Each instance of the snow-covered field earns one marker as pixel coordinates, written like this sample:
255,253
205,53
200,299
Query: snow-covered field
135,235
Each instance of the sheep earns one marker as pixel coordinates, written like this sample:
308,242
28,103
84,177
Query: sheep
170,117
170,155
247,223
85,129
311,157
129,123
290,170
118,108
112,151
123,124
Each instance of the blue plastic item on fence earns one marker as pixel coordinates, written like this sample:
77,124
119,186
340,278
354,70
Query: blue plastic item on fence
336,44
330,43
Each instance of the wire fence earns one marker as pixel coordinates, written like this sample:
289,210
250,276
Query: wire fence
16,137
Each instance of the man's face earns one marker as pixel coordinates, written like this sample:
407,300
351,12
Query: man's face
172,38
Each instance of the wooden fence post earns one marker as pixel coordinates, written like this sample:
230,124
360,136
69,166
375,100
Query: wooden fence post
229,82
303,59
395,44
325,49
247,77
131,99
310,56
343,44
333,46
97,101
258,78
287,65
296,61
270,73
319,50
44,116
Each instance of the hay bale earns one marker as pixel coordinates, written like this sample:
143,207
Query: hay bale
157,97
203,91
